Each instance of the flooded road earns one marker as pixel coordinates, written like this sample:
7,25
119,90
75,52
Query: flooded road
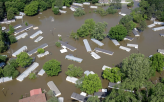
149,41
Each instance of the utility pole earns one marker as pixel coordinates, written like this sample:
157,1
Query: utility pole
3,92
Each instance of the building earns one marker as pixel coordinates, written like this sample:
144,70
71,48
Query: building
53,87
135,33
35,98
36,34
22,49
97,42
103,51
67,46
87,46
78,97
23,29
35,92
70,57
104,1
128,38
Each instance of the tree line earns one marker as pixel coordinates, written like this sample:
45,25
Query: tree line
10,8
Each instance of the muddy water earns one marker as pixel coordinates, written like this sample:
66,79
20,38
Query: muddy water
148,42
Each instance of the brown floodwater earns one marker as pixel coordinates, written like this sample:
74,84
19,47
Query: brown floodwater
149,41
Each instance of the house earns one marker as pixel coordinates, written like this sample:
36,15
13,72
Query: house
35,92
35,98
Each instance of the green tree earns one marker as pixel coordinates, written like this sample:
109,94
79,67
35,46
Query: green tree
55,10
42,5
59,3
101,11
11,29
79,83
32,8
13,63
53,99
113,75
91,83
50,93
137,70
1,10
111,10
142,25
9,71
93,99
12,39
3,47
3,58
118,32
79,12
52,67
157,62
26,23
40,50
94,1
32,76
58,44
10,14
74,71
74,35
1,72
98,32
130,4
23,59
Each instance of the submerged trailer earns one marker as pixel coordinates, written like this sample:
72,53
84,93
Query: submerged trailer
22,49
36,34
125,48
133,45
23,35
97,42
53,87
23,29
103,51
158,28
87,46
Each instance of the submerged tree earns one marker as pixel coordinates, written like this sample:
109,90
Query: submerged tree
79,12
74,71
93,99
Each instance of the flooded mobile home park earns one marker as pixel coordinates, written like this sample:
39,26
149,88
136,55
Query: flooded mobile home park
148,43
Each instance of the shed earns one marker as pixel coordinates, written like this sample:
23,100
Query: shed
97,42
53,87
35,92
41,72
87,46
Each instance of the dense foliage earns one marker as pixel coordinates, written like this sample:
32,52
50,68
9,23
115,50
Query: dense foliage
91,83
101,11
10,69
93,99
55,10
40,50
118,32
113,74
111,10
53,99
157,62
79,12
12,39
74,71
32,8
130,4
32,76
58,44
52,67
23,59
74,35
3,58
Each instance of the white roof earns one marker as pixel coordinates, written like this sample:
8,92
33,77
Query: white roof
70,57
61,99
88,72
43,54
41,72
53,87
125,48
104,90
158,28
19,51
86,3
83,93
94,55
78,4
61,11
133,45
104,67
71,79
115,42
64,7
97,42
161,51
36,34
38,39
93,6
23,35
5,79
27,71
63,50
18,17
87,46
151,25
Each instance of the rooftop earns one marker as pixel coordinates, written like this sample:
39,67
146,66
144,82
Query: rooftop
34,98
35,92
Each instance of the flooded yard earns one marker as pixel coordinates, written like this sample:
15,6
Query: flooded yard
148,42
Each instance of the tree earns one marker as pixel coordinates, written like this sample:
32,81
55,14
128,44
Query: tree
79,12
40,50
101,11
53,99
1,72
42,5
137,70
11,29
26,23
79,83
94,1
50,93
130,4
124,20
118,32
3,58
111,10
74,71
93,99
9,71
12,39
23,59
32,76
59,3
1,10
91,83
55,10
58,44
113,75
32,8
10,14
13,63
157,62
3,47
52,67
98,32
142,25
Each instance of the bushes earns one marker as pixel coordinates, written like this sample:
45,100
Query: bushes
40,50
32,8
12,39
3,58
55,10
130,4
32,76
111,10
101,11
74,71
58,44
74,35
79,12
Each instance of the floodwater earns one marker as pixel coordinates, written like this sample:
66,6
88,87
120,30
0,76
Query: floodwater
149,41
